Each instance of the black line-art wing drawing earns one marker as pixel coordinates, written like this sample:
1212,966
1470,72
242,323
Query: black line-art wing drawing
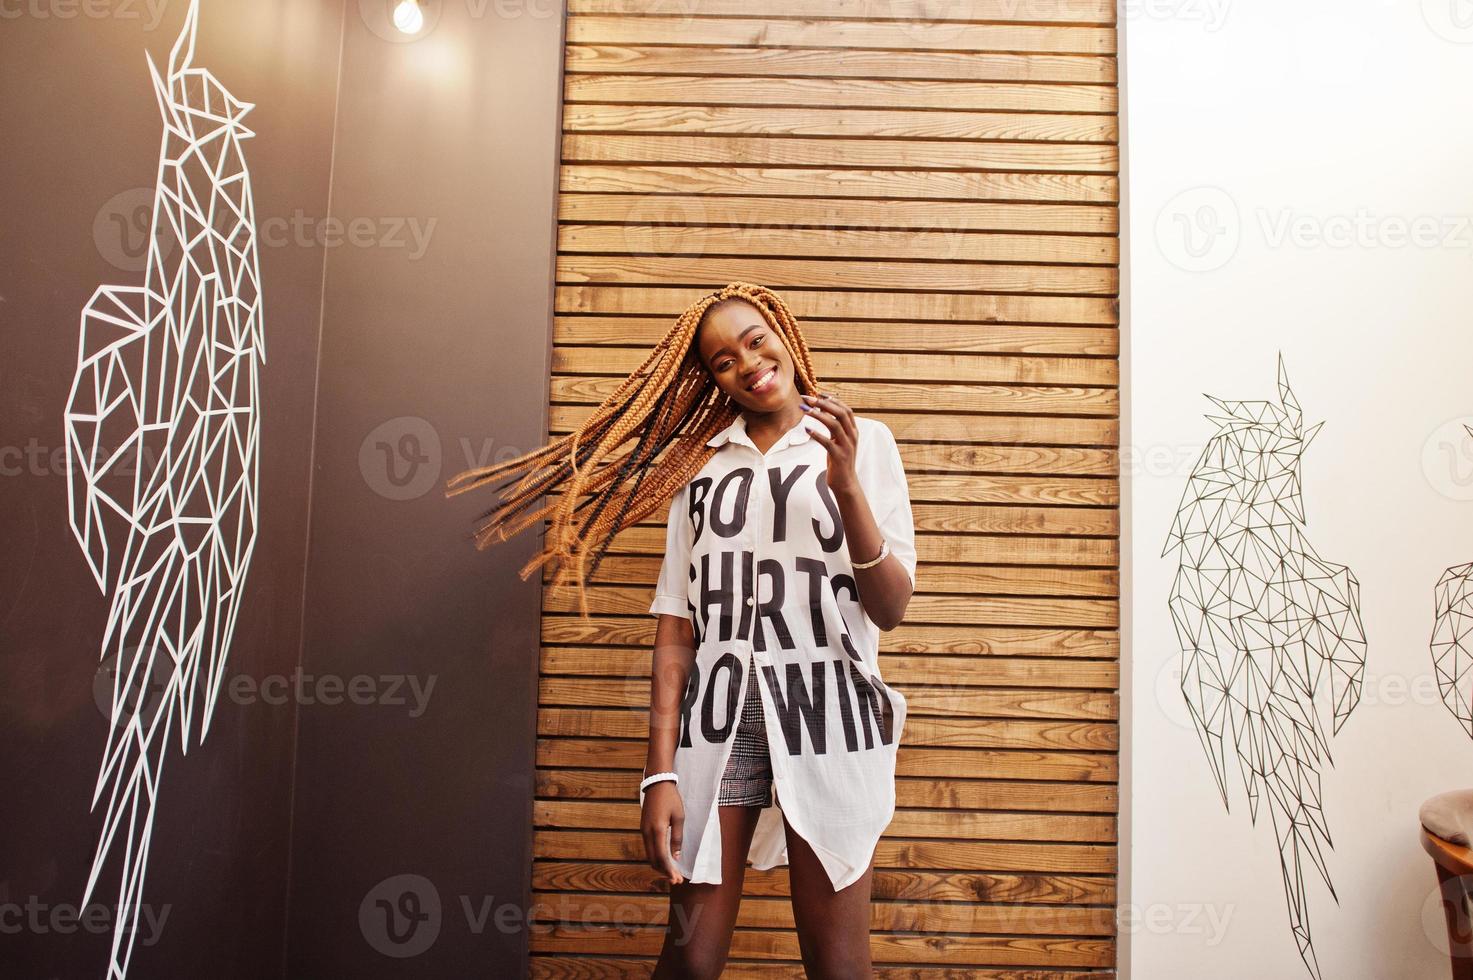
1452,641
162,432
1261,620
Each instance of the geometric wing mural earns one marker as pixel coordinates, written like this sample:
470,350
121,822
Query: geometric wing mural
162,433
1272,644
1452,642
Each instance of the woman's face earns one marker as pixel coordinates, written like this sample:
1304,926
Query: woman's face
746,357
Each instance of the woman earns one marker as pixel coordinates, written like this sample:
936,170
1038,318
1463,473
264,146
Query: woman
789,546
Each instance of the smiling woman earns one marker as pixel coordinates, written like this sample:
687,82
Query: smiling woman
790,546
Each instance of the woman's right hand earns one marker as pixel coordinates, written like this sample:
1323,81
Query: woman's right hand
663,811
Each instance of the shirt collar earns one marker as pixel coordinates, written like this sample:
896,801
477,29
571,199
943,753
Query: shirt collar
737,432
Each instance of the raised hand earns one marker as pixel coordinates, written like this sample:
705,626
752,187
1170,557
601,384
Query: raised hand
842,442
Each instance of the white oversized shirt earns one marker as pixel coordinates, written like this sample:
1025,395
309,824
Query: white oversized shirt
755,557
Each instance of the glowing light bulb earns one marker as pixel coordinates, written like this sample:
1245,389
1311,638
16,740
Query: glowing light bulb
408,16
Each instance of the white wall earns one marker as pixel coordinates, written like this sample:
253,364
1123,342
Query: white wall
1311,135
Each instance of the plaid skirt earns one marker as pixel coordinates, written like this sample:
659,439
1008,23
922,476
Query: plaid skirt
748,777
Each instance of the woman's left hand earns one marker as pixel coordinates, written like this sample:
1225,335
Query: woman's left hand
841,442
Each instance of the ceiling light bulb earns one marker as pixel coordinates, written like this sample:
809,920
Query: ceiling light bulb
408,16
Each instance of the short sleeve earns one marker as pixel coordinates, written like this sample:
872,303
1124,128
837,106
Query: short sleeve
670,587
882,474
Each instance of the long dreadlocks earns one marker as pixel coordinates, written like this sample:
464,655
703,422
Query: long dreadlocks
668,402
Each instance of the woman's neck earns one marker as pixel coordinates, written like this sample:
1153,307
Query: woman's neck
766,428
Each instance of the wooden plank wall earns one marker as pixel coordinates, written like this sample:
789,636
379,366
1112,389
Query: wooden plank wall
933,188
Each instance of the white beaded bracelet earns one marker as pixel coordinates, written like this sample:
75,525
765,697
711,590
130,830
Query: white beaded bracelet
651,780
884,550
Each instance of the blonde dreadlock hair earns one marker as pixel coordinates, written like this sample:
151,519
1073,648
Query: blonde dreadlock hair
668,402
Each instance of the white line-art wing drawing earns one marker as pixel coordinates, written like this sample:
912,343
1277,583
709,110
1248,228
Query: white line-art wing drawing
162,433
1262,620
1452,641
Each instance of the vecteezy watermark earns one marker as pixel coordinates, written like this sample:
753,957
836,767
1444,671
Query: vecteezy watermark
1447,458
940,23
305,231
1207,919
35,459
1451,20
63,918
301,688
140,692
1199,229
151,12
1211,14
402,457
1390,690
403,915
123,228
1363,228
1449,898
400,916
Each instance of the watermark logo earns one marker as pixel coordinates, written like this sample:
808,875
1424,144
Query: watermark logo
151,12
1169,696
1447,458
400,459
1199,229
1451,20
123,227
42,918
139,692
400,916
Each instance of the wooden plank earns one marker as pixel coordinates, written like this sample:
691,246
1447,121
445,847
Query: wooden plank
895,229
797,151
688,233
1040,11
826,62
885,183
980,308
769,120
760,912
955,950
918,35
697,267
816,93
547,966
941,886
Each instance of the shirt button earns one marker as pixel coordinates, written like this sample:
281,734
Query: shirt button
749,600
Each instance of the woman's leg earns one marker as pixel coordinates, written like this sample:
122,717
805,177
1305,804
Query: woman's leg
702,916
833,927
